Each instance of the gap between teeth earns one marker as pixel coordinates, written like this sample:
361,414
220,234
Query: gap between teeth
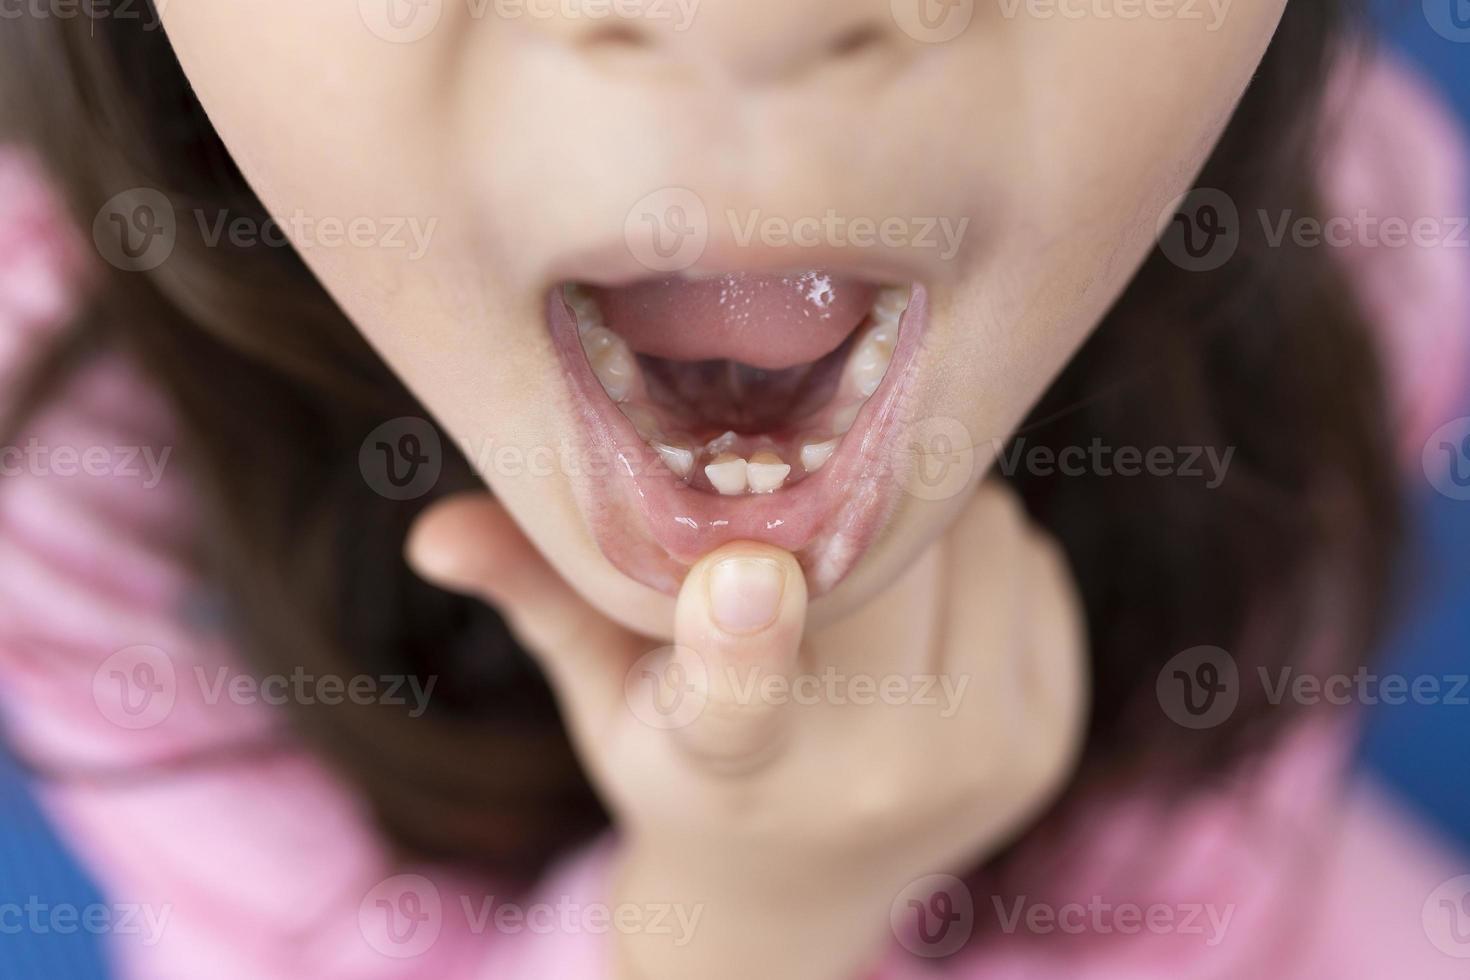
616,369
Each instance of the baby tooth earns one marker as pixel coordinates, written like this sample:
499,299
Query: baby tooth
885,333
766,472
643,420
599,339
720,444
845,417
583,306
870,361
679,459
611,361
891,302
727,473
814,455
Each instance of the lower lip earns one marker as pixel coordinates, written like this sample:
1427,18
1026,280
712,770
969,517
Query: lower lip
652,527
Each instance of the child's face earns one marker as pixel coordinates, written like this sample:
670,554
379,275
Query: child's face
483,153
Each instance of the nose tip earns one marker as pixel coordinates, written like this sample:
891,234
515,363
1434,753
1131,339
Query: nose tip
750,42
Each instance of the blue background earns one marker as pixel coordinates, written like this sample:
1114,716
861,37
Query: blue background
1422,751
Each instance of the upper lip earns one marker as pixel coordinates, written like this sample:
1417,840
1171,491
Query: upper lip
611,263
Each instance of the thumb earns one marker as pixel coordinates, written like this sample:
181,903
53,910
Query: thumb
740,615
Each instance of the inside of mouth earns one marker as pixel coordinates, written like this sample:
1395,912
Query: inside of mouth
741,384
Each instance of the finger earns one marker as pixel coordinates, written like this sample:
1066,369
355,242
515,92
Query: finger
467,543
740,613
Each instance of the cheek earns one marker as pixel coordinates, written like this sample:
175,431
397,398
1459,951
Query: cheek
336,127
1121,106
328,122
1119,117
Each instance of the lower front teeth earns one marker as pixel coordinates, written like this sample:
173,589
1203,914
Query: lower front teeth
728,474
815,454
766,472
643,420
678,458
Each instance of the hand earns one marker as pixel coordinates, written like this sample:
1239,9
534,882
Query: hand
790,787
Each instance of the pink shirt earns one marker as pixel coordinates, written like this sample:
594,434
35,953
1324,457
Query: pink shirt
264,865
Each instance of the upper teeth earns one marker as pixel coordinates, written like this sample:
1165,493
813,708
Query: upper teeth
611,361
730,473
870,359
891,303
584,306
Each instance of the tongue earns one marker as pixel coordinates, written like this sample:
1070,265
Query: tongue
765,321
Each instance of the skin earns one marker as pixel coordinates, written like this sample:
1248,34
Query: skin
527,141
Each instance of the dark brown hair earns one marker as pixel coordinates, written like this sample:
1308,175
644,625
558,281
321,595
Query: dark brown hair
275,391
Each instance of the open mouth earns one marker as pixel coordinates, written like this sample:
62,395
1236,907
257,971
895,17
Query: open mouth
738,406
